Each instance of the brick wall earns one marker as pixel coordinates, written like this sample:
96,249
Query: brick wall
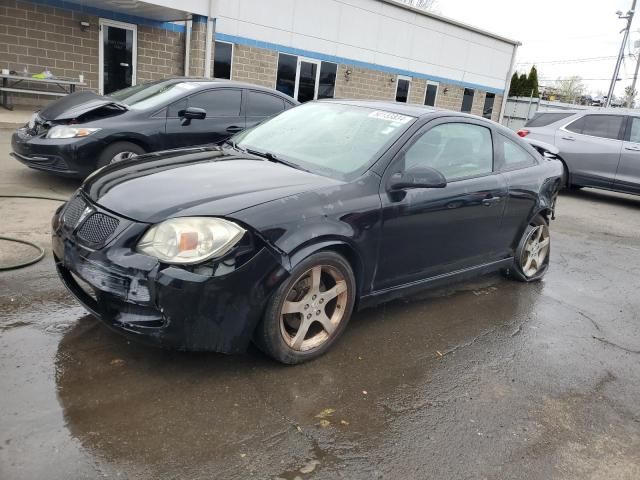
160,53
40,37
197,49
495,115
452,99
364,83
254,65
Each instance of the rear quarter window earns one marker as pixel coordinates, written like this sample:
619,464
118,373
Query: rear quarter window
544,119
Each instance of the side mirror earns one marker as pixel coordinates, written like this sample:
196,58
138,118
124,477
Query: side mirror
417,177
191,113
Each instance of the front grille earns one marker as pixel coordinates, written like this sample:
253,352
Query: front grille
97,228
74,210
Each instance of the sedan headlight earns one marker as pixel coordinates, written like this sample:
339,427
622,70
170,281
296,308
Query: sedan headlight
65,131
190,240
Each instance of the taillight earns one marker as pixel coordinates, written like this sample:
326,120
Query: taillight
522,132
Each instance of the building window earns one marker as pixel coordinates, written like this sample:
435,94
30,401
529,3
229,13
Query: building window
403,84
327,86
430,94
286,76
487,110
222,56
467,100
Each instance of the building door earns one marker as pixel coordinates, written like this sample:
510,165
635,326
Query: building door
307,76
117,56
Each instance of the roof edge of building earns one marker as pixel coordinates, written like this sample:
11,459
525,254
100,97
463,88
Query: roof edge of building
450,21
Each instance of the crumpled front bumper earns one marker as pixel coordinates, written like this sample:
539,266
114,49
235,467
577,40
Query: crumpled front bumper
165,305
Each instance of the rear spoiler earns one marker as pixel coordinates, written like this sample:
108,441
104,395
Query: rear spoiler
546,149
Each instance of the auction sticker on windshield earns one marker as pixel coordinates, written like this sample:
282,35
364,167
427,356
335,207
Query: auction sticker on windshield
390,117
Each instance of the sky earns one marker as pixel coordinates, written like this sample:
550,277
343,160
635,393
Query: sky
558,35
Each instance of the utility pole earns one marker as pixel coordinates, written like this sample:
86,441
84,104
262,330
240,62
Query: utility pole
629,18
632,95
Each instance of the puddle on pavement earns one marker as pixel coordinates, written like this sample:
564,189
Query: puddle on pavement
130,403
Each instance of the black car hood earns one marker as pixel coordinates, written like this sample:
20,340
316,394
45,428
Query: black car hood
197,181
75,105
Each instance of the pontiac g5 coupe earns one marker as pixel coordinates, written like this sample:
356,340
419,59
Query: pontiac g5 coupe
277,235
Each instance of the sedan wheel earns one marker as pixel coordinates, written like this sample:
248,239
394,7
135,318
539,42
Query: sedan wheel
309,311
122,156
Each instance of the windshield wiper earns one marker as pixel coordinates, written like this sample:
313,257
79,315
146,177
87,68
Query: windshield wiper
235,146
275,159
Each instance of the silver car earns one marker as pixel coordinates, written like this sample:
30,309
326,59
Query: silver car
599,149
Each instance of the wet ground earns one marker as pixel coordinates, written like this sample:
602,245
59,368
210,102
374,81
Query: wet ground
492,379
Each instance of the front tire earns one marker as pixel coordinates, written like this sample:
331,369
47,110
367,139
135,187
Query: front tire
118,151
531,261
309,311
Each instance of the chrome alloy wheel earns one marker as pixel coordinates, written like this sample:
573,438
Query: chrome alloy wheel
535,251
122,156
313,308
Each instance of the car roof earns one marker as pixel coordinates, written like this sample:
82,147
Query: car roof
217,82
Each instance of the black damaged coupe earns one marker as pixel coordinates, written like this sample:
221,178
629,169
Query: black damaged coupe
279,234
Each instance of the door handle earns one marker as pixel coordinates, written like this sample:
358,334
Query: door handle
633,149
487,202
571,139
124,64
234,129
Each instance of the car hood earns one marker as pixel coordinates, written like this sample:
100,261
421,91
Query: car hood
75,105
192,182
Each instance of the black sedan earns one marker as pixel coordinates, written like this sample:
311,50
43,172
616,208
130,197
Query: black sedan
83,131
277,235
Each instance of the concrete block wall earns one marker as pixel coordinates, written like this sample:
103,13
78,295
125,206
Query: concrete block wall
364,83
254,65
160,53
39,37
451,99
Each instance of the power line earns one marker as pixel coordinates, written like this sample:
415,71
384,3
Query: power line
572,60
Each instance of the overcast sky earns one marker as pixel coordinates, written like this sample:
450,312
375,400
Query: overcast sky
557,30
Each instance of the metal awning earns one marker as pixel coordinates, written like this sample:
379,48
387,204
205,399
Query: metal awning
134,8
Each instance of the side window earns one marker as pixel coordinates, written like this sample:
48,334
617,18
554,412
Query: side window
467,100
263,104
175,107
635,130
222,102
457,150
514,156
604,126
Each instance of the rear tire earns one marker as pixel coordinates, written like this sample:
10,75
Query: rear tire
309,311
119,151
531,261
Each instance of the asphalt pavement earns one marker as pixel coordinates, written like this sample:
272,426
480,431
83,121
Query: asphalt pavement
490,379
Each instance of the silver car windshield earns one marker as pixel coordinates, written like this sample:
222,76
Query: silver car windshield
330,138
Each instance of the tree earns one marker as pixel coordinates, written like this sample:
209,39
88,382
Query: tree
570,89
523,82
533,82
514,89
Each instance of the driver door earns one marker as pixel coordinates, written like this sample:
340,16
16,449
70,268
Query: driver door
224,118
432,231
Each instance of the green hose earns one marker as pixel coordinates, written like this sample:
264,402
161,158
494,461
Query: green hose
40,250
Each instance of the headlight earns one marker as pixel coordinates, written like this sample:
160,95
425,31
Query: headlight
190,240
64,131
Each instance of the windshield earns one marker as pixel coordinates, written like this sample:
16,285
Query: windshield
151,95
329,138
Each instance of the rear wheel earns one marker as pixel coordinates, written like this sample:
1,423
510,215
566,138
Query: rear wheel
119,151
309,311
532,255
